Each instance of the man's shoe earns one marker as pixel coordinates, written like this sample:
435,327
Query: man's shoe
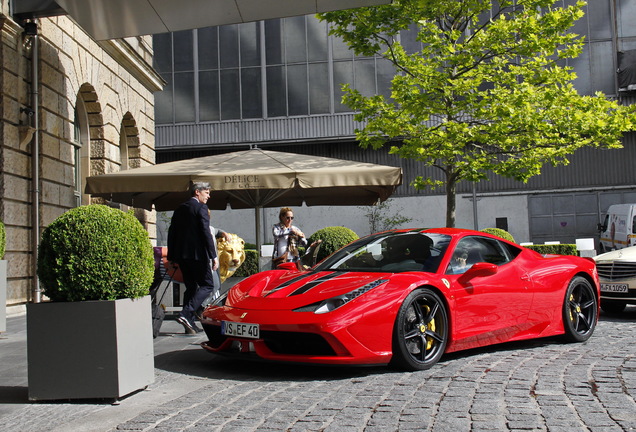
189,328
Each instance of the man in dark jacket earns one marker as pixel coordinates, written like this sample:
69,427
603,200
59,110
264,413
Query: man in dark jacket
192,247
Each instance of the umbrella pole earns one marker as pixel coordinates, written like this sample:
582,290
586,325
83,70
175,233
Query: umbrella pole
259,242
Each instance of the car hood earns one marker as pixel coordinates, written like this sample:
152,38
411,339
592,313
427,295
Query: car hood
625,254
289,290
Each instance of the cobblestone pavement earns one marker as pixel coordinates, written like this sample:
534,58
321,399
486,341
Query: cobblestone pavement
542,385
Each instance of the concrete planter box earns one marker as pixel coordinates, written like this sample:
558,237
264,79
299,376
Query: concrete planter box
3,296
89,350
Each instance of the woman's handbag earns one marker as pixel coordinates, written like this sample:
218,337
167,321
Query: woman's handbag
279,260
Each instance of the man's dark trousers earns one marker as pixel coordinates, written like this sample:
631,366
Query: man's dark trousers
199,282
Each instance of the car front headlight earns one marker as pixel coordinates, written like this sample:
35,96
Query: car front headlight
334,303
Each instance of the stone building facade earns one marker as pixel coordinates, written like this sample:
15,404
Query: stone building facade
70,107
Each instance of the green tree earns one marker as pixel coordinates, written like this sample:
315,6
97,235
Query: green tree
381,218
488,92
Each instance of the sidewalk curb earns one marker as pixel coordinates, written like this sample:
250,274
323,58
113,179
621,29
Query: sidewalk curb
16,310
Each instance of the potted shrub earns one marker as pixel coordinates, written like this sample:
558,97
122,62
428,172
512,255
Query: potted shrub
3,280
93,339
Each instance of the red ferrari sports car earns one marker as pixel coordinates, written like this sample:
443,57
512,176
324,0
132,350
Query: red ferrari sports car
406,297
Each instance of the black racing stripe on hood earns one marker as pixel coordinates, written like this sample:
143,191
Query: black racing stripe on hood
309,285
289,282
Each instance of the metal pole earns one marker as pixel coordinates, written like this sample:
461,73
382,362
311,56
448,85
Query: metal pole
32,30
259,242
475,220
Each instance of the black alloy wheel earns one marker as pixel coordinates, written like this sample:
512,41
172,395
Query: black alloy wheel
580,310
420,334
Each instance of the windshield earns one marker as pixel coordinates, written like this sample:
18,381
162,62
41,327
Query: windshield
390,252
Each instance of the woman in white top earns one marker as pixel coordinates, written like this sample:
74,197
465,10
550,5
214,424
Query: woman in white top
287,238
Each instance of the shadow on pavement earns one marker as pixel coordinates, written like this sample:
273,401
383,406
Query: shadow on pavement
196,361
628,315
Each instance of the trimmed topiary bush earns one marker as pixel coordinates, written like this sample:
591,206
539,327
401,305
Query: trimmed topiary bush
499,233
557,249
3,240
333,238
95,252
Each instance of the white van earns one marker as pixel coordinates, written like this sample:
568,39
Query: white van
618,230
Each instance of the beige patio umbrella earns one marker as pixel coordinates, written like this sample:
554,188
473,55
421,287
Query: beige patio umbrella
253,178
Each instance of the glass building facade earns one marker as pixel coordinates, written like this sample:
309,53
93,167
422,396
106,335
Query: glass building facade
291,67
276,68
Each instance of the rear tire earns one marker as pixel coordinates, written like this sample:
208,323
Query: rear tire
420,332
580,310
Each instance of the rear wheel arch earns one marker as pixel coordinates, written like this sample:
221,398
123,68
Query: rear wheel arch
588,277
591,281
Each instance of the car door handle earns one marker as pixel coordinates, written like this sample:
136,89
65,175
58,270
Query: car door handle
525,277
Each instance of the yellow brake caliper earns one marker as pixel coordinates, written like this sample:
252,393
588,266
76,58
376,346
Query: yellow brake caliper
578,308
430,326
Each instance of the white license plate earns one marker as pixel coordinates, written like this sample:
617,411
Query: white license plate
244,330
615,288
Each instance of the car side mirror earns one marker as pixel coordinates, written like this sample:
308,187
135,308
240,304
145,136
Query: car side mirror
480,269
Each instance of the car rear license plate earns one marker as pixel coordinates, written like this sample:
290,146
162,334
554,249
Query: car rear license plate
615,288
244,330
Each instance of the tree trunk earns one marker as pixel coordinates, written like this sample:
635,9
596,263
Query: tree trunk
451,198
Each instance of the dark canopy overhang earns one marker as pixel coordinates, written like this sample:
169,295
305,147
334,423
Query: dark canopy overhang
113,19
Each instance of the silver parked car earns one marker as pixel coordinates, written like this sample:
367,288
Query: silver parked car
617,272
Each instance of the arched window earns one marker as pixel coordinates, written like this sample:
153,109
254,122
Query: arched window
123,150
81,157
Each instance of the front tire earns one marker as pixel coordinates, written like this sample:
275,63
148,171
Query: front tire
580,310
420,333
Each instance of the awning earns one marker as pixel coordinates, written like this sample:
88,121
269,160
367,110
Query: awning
250,179
113,19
